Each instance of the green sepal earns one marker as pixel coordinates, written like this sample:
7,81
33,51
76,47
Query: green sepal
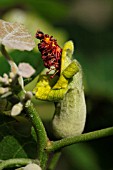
71,70
56,95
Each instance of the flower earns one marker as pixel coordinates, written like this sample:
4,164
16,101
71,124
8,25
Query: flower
54,89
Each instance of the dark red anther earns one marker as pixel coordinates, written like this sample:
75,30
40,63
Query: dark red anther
39,35
51,52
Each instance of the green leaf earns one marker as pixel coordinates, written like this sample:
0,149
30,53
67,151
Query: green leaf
15,138
10,148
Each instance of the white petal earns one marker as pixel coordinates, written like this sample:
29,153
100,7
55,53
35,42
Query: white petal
26,70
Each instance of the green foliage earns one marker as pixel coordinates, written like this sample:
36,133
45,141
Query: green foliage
82,157
45,8
98,74
15,138
33,58
6,3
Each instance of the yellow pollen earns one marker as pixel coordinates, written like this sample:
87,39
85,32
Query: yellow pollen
47,40
53,44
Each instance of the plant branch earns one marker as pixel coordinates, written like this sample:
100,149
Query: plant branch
16,162
40,132
5,54
54,146
54,160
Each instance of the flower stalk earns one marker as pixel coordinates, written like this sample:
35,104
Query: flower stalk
14,67
40,132
54,160
17,162
54,146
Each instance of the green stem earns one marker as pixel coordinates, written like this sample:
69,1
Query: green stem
44,159
54,161
14,67
54,146
16,162
40,132
5,54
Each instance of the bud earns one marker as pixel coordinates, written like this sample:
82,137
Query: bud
3,90
28,95
31,166
17,108
70,113
21,82
12,75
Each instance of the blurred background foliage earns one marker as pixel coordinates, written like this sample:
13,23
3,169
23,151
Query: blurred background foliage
89,23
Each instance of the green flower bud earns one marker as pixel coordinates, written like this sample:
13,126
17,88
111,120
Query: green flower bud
70,113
